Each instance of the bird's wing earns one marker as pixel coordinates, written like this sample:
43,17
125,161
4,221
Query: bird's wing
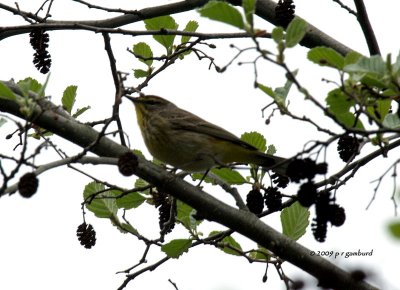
183,120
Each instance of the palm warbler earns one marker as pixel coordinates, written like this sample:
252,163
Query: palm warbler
185,141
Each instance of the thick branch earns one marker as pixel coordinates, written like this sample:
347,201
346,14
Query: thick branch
265,9
213,209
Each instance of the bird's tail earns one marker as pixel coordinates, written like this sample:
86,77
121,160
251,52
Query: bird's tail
274,163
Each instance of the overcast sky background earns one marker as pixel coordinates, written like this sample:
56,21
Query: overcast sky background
38,245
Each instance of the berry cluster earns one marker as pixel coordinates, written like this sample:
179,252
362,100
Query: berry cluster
348,147
28,184
86,235
127,163
39,40
284,12
165,205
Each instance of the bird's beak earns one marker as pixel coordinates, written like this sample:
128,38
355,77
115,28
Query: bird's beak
134,100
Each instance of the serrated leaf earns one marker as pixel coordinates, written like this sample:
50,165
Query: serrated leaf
177,247
160,23
32,84
295,32
228,244
128,228
391,121
338,102
351,57
222,12
191,26
277,34
374,64
130,200
256,139
394,229
249,7
229,175
326,56
380,109
261,254
80,111
139,73
6,93
271,150
68,98
144,53
185,215
295,220
2,121
103,205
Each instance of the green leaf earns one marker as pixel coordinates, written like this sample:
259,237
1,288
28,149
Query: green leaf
177,247
68,98
295,220
144,53
31,84
380,109
162,23
130,200
271,149
351,57
255,139
128,228
191,26
278,34
391,121
80,111
227,244
280,100
295,32
261,254
375,65
229,175
394,229
101,206
338,102
222,12
326,56
139,73
6,93
2,121
185,215
249,7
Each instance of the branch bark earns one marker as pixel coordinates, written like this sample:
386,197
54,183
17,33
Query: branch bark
213,209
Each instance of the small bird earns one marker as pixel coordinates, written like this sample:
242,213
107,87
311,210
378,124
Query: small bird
185,141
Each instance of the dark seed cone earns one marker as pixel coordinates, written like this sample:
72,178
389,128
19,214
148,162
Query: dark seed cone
337,215
255,201
307,194
127,163
284,12
39,40
86,235
348,147
28,184
273,199
299,169
280,180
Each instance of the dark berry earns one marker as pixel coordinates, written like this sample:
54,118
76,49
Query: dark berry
284,12
273,199
86,235
255,201
166,221
319,229
348,147
28,184
127,163
307,194
321,168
